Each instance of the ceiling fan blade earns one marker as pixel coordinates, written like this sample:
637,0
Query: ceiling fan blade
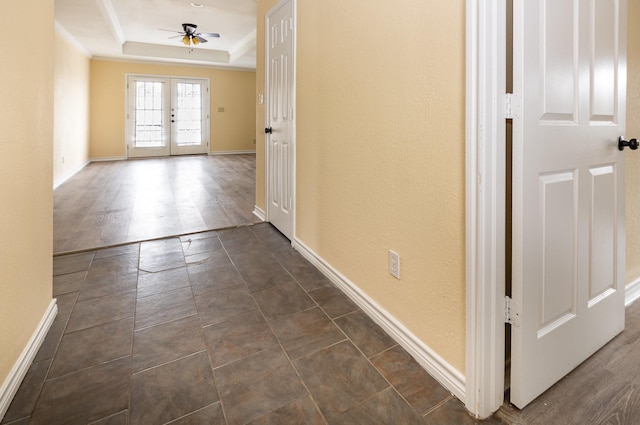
162,29
200,39
209,34
176,36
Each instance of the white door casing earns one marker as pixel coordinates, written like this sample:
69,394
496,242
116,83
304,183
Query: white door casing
568,188
280,98
166,116
485,205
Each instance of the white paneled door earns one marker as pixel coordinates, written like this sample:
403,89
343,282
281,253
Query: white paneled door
167,116
568,188
279,117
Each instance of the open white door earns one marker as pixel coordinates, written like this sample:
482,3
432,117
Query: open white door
568,188
279,129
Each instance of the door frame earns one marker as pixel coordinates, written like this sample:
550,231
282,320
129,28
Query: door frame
267,112
485,205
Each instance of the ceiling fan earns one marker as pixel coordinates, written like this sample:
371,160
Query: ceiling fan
190,35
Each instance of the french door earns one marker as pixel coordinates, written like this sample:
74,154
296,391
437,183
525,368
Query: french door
167,116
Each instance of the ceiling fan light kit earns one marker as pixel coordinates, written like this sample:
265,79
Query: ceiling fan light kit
190,35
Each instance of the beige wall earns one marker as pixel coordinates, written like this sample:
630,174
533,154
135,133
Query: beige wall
26,149
71,110
232,130
633,130
380,154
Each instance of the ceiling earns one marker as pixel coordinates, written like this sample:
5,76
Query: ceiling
130,30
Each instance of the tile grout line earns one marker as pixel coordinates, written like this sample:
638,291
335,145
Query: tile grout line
64,330
438,405
202,335
159,238
284,351
133,336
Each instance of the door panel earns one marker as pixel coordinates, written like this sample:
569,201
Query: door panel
558,250
604,78
188,134
568,187
149,116
559,67
603,232
167,116
280,96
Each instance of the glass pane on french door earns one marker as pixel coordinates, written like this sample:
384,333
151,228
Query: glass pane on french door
188,115
148,114
167,116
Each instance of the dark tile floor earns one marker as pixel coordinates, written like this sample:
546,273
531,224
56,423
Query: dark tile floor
225,327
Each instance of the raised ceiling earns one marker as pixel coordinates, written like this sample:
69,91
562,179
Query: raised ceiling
131,29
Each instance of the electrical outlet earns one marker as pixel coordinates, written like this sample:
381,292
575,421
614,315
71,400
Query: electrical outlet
394,264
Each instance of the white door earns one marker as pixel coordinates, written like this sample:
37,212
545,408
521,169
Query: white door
568,188
167,116
188,116
279,130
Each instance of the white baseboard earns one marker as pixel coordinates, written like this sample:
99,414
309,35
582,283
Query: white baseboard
12,382
632,292
258,212
241,152
108,158
436,366
70,174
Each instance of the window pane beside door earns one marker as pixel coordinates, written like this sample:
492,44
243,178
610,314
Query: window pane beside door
188,113
149,129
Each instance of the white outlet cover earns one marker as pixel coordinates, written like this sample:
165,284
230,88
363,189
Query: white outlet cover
394,264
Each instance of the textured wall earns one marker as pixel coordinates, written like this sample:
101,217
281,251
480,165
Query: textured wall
26,149
380,154
71,109
633,130
233,129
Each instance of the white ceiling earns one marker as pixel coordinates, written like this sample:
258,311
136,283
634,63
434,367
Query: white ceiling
130,29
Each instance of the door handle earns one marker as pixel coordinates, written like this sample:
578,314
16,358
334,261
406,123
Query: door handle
631,144
268,130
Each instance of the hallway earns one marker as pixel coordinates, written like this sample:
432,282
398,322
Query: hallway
215,326
223,327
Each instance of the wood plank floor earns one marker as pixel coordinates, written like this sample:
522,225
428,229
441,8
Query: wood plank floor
110,203
605,389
